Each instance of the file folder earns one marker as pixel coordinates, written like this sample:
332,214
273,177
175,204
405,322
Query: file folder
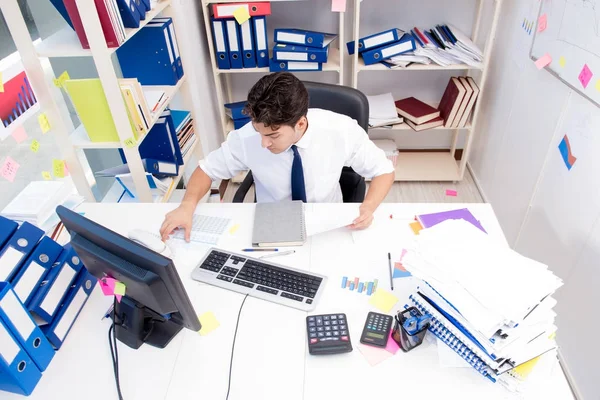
7,228
148,57
129,13
404,45
161,142
59,328
146,4
254,9
221,43
35,268
289,52
372,41
240,123
17,320
141,7
235,110
173,41
247,42
261,41
17,249
304,38
233,40
18,373
276,66
47,299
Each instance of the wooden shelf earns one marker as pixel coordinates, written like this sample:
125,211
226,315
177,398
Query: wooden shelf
332,65
406,127
65,42
427,166
414,67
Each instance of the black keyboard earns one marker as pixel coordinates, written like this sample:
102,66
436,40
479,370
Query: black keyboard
265,280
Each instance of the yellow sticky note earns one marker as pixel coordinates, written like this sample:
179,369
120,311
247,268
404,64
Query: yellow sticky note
383,300
35,146
46,175
58,82
209,323
416,227
119,288
130,143
598,85
241,15
43,121
562,61
552,336
234,229
58,168
1,83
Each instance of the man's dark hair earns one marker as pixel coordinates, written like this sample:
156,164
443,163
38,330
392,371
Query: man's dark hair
277,99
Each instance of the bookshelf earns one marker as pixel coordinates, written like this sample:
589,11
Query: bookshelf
435,165
72,140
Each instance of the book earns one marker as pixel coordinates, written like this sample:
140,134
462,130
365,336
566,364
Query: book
110,20
464,102
429,220
451,100
468,110
279,224
416,111
434,123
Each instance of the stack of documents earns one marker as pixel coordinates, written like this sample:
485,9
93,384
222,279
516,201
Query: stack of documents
382,111
491,305
445,45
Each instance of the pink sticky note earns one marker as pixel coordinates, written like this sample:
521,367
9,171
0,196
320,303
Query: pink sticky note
105,288
9,169
585,76
19,134
543,61
119,297
338,5
542,23
66,169
392,346
450,192
374,355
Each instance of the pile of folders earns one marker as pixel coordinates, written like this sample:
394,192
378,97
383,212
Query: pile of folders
43,288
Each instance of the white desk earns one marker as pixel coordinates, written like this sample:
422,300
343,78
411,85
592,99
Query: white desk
271,359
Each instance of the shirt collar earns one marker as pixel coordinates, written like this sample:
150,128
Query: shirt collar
304,142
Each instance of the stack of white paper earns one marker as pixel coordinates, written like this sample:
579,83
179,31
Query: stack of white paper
464,51
382,111
500,300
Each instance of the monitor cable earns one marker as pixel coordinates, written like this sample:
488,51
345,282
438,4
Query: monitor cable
233,346
112,341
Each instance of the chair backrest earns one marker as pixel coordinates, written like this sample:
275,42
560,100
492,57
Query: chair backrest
340,99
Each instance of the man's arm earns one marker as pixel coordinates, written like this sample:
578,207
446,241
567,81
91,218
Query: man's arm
378,189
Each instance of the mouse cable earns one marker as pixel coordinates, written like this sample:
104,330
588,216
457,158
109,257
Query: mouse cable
112,342
233,347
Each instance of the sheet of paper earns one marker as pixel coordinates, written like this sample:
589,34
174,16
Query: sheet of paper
448,358
543,61
19,134
9,169
328,217
209,323
383,300
241,15
399,270
373,355
382,107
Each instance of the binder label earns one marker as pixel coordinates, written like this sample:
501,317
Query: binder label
225,11
17,315
167,42
8,262
8,347
232,35
58,289
28,280
379,39
174,40
292,66
261,43
68,317
291,37
291,56
392,50
219,39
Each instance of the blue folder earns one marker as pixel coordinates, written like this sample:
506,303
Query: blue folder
236,109
247,43
240,123
233,42
47,299
17,248
7,228
35,268
168,24
221,43
141,8
304,38
376,40
146,4
60,7
129,13
18,373
148,57
59,328
17,320
404,45
290,52
261,41
161,142
276,66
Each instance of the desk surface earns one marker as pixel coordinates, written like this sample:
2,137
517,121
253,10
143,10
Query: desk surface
271,359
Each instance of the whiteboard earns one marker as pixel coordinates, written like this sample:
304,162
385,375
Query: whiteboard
572,39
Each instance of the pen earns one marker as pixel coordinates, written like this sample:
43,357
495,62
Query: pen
283,253
260,250
391,278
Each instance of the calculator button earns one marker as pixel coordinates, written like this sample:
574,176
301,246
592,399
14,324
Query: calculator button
336,333
312,335
328,334
342,326
327,328
312,329
326,318
327,322
334,317
340,316
311,323
335,338
313,341
311,319
319,321
320,334
334,322
335,328
319,329
344,338
343,332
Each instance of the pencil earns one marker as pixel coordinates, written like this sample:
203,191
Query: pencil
391,276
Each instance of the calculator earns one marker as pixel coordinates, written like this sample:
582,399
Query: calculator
328,334
377,329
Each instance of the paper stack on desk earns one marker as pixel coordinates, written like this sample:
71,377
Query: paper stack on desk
382,111
489,304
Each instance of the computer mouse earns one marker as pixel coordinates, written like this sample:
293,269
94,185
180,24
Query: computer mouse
151,241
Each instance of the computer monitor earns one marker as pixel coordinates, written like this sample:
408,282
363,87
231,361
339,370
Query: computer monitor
155,306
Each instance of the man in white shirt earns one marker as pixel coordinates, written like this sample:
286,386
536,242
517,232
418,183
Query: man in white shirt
294,153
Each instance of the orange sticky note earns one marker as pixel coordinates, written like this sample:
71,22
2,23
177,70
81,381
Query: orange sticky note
241,15
543,61
46,175
19,134
338,5
9,169
416,227
542,23
58,168
35,146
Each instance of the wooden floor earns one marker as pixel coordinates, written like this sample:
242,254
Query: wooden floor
409,192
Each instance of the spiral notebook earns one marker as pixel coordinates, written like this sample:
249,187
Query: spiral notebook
279,224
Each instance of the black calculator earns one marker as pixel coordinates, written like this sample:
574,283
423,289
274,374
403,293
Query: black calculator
377,329
328,334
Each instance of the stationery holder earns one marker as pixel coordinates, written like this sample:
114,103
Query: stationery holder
408,339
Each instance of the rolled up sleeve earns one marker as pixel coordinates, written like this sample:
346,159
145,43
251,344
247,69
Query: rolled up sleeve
227,161
364,156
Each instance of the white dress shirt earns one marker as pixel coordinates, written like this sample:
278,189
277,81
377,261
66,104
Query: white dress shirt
331,142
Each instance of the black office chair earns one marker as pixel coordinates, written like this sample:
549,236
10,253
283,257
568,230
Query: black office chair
342,100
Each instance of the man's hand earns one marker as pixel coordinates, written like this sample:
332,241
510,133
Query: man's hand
365,219
181,217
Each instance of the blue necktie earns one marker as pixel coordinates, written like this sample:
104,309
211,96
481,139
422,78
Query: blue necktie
298,188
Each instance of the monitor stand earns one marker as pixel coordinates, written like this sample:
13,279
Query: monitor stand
137,324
